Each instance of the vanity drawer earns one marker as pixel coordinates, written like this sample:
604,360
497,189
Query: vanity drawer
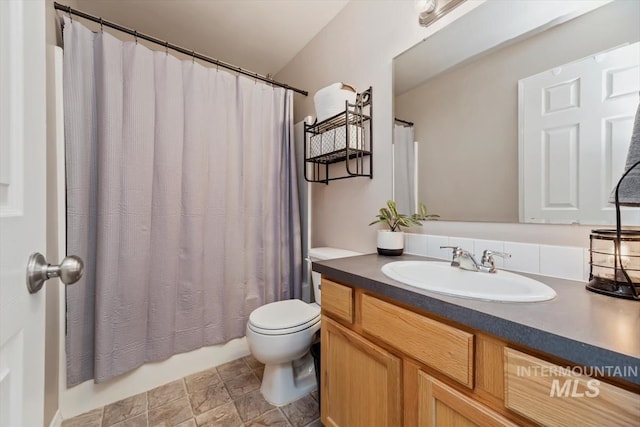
337,300
551,395
442,347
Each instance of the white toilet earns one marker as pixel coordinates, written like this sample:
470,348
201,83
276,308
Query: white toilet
280,335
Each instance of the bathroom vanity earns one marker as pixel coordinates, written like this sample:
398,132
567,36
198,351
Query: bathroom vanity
393,355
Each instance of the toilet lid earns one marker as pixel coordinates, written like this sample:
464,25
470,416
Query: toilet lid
285,314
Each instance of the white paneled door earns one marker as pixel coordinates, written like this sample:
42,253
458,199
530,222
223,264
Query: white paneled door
22,209
575,128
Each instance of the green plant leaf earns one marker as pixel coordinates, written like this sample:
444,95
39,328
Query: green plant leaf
395,221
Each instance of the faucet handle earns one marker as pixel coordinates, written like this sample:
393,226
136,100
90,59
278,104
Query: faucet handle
489,253
457,251
487,258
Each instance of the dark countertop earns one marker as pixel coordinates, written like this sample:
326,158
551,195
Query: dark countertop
579,326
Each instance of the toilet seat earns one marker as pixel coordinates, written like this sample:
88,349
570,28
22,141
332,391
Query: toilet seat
284,317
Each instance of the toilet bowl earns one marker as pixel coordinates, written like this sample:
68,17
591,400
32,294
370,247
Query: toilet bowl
280,335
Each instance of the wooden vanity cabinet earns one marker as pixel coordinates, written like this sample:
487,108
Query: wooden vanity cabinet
442,405
361,385
379,361
386,364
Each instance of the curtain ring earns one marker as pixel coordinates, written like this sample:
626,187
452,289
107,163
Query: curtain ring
135,35
166,48
69,13
101,27
193,56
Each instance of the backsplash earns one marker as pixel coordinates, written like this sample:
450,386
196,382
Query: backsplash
567,262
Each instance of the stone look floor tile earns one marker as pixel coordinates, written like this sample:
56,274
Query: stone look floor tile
253,362
316,423
171,414
88,419
242,384
219,397
259,372
202,380
205,399
233,369
252,405
273,418
223,416
137,421
302,411
166,393
124,409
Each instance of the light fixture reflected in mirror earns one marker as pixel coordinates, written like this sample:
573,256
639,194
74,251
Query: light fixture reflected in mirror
430,10
425,7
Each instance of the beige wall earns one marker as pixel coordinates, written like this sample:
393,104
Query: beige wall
357,47
467,119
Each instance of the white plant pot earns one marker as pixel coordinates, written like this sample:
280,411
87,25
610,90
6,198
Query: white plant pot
390,243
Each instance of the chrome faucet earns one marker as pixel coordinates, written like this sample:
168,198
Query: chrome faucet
464,259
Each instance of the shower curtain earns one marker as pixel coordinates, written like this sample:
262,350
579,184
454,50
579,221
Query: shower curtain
181,199
404,169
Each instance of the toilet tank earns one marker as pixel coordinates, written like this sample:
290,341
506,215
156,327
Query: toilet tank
320,254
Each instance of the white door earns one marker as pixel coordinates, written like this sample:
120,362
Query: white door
575,128
22,209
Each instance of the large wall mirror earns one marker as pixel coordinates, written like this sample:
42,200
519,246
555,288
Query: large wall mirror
459,89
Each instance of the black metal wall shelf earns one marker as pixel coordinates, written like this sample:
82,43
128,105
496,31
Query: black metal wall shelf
346,138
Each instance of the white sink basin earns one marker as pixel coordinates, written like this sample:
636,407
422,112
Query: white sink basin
440,277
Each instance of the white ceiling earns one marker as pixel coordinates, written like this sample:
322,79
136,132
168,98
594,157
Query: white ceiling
257,35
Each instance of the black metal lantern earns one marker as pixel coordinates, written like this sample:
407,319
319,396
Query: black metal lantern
615,263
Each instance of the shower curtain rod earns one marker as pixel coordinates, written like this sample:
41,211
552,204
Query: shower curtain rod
182,50
404,122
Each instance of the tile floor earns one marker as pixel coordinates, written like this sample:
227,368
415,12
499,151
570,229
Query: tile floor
226,396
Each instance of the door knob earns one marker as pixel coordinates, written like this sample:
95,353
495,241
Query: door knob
38,270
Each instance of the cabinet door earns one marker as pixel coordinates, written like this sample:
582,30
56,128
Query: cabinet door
360,383
441,405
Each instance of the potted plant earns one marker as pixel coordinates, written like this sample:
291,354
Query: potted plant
391,241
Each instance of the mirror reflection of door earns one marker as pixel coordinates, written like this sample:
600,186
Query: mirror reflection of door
575,124
405,184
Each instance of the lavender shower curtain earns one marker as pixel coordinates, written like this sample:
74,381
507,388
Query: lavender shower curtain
181,199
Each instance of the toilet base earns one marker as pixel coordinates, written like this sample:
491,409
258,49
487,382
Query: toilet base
285,382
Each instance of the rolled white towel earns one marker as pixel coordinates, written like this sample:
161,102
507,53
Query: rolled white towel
329,100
